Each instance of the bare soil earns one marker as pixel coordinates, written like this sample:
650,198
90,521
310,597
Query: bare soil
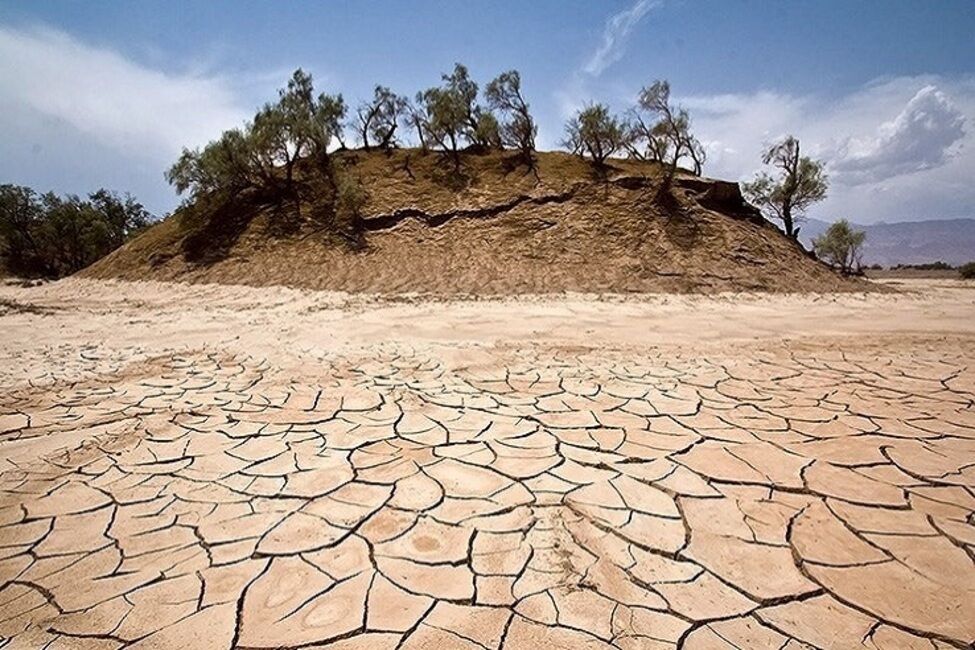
497,228
210,466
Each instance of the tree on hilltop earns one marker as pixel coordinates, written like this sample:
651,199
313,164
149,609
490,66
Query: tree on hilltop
595,132
479,125
660,131
518,129
380,118
801,183
299,126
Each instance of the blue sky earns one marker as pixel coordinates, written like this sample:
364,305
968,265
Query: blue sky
106,93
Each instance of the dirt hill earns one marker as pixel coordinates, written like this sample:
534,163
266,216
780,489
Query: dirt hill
497,228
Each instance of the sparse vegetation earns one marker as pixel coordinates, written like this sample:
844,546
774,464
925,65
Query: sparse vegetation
380,118
801,183
927,266
518,128
350,199
51,236
841,246
660,131
594,132
263,155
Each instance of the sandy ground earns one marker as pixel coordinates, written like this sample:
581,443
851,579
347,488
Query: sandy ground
211,467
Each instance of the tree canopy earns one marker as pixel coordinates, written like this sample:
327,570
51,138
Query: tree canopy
660,131
380,118
841,246
518,128
594,132
801,182
262,155
44,235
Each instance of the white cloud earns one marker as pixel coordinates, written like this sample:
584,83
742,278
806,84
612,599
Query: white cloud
922,136
111,99
615,35
895,149
577,91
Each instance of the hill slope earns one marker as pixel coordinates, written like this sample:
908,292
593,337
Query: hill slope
910,242
497,229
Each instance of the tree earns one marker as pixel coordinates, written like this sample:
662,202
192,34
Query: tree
123,215
230,164
20,214
299,126
415,117
51,236
380,118
593,131
841,245
445,120
661,132
328,114
802,182
518,129
479,126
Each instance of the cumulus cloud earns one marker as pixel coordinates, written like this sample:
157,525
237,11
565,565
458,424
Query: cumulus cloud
896,149
615,35
119,103
922,136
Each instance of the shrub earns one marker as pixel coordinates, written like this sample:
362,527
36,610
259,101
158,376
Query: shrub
595,132
350,199
967,271
840,245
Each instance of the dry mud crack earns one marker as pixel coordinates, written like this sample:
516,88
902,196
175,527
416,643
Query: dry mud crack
387,496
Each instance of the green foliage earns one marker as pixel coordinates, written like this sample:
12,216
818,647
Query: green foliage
841,245
380,118
661,132
927,266
967,271
593,131
264,154
450,115
518,129
444,118
488,132
350,199
46,235
801,183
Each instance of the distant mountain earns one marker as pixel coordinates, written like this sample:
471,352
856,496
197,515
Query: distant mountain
909,242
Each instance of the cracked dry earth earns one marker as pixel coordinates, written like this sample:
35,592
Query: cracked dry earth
414,493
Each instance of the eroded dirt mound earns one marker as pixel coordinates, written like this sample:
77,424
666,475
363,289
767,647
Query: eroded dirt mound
495,228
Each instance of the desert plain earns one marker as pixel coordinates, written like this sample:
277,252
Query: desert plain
212,466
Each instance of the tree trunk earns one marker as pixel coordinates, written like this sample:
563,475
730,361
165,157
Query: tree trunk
787,221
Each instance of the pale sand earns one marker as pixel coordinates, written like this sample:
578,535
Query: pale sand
213,466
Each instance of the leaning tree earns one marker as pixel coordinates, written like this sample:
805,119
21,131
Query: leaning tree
800,182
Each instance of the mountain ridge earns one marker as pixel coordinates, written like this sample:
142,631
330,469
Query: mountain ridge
909,242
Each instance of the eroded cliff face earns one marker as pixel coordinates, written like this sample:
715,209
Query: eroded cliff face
496,227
